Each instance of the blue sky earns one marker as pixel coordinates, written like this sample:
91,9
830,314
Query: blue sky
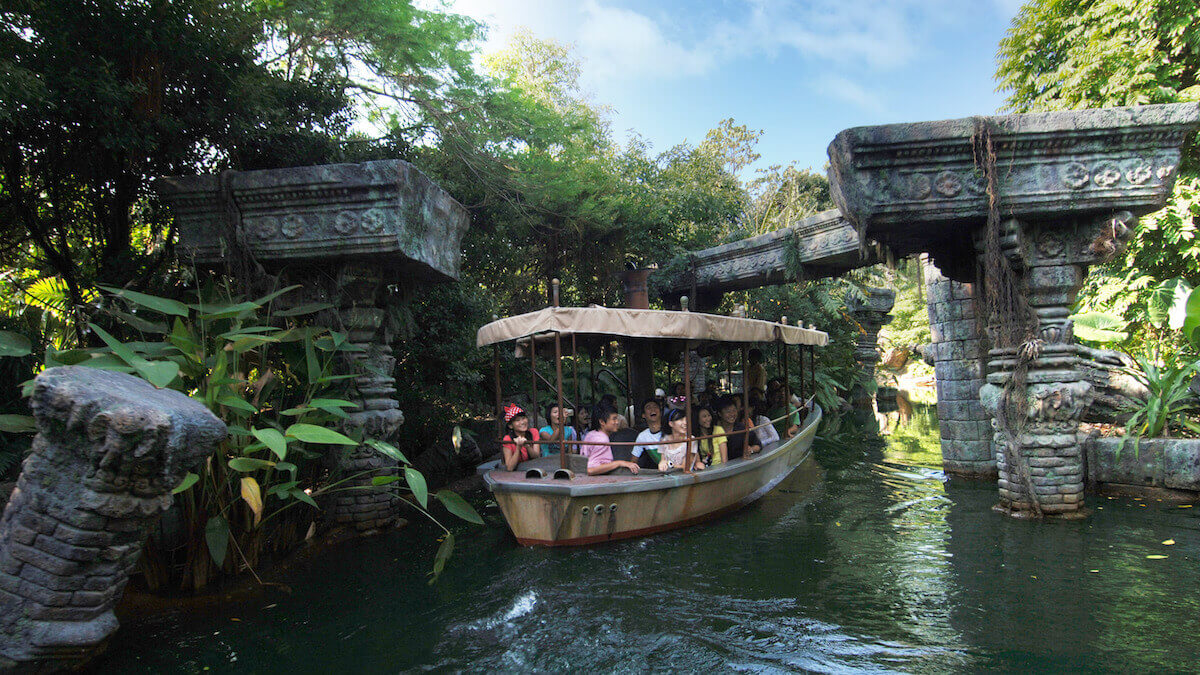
798,70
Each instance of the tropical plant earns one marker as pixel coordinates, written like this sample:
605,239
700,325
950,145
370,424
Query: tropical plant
271,375
1099,327
1170,403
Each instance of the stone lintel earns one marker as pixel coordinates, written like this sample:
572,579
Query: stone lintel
826,244
382,211
912,187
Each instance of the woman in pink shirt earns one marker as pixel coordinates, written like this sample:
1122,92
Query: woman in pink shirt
605,421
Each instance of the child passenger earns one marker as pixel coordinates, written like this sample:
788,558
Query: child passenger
521,443
605,421
674,446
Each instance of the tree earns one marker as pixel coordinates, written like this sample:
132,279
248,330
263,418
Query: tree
1066,54
99,98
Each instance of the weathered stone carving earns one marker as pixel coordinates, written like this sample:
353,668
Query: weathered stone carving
109,450
1057,164
1071,184
825,244
386,211
870,312
346,233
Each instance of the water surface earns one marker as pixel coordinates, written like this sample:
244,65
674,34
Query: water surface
871,562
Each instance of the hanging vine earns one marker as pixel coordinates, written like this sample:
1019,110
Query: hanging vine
1012,324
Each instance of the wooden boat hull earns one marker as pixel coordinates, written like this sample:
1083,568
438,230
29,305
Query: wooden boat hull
593,509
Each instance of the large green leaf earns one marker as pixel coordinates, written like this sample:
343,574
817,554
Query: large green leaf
273,440
14,344
416,483
216,535
1099,327
311,433
455,504
158,373
17,424
1166,306
1191,321
443,556
247,464
188,481
151,302
387,449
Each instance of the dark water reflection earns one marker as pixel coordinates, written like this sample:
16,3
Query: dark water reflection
879,565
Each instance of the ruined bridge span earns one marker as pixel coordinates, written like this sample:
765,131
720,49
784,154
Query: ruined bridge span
824,244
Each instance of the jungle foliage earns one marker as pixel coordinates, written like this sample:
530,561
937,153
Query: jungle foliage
1066,54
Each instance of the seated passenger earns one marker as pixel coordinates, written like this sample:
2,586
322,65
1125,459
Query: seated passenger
605,421
647,456
733,425
552,434
611,399
583,422
777,406
762,425
521,443
675,445
712,450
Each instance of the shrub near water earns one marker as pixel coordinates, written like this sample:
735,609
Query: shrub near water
269,374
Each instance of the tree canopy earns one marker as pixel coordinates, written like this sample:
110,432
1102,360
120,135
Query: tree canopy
1065,54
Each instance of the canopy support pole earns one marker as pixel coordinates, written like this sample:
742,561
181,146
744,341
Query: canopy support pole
800,355
787,391
499,394
562,445
628,376
745,403
687,406
532,380
575,367
729,370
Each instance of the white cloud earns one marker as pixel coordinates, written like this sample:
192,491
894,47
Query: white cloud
618,42
847,91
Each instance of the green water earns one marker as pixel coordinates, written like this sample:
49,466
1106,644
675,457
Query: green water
879,564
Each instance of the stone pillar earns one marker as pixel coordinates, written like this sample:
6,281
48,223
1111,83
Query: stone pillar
109,450
357,293
959,362
375,390
870,313
1050,261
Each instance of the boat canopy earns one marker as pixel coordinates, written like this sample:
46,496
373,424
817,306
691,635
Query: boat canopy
645,323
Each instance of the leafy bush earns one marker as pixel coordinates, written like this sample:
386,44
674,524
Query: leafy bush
270,374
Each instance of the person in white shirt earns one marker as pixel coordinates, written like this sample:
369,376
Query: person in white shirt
648,455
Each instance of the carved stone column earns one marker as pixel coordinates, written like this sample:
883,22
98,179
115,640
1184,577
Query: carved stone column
379,416
959,363
109,450
344,232
933,187
1047,466
871,314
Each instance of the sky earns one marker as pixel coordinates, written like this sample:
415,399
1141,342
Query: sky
800,70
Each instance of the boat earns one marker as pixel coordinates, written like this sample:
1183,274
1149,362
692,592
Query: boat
551,501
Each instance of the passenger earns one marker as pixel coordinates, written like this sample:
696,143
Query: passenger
777,408
762,425
583,422
756,374
678,389
675,445
733,425
521,443
708,447
611,399
647,456
605,421
552,434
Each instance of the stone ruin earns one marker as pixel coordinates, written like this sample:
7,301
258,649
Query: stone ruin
109,450
1068,187
358,236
